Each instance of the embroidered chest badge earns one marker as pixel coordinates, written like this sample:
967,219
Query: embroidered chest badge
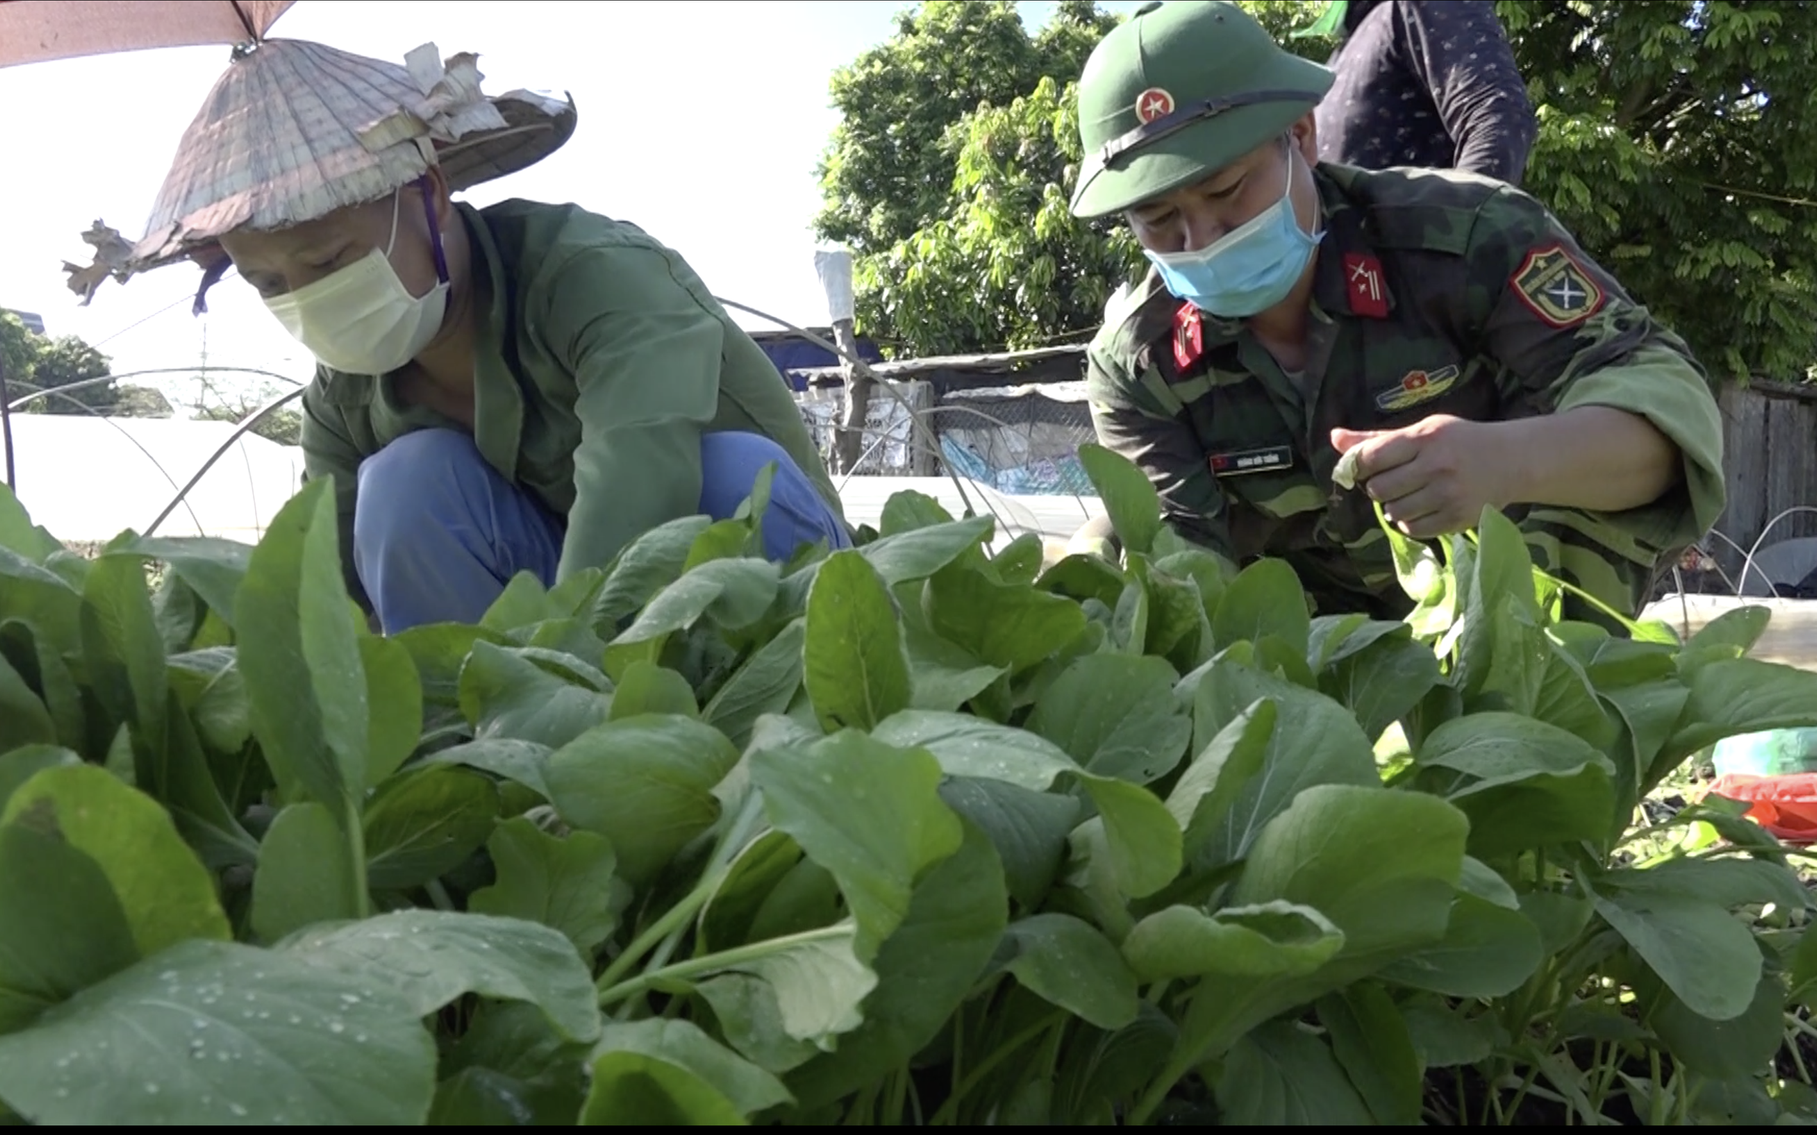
1415,387
1556,288
1188,336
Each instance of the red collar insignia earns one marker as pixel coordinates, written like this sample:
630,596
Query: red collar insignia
1188,336
1364,284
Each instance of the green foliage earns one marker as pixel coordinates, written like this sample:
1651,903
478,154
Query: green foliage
908,833
34,362
1676,141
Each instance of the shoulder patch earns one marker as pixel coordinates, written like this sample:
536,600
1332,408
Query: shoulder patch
1556,288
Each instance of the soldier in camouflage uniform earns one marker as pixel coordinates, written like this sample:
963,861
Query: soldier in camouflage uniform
1444,324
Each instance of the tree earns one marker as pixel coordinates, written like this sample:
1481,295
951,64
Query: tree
213,403
1677,141
34,362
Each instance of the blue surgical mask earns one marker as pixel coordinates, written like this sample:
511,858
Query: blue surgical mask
1247,270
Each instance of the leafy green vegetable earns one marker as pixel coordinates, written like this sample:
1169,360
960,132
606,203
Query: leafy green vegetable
906,833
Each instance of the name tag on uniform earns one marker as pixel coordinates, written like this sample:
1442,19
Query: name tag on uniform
1251,461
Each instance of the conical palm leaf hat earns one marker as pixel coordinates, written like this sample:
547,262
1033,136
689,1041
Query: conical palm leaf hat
295,130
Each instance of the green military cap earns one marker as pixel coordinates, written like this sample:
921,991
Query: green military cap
1177,92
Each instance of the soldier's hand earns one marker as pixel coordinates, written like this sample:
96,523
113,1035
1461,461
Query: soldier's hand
1432,477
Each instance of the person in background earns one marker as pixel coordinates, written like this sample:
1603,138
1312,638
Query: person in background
525,387
1443,328
1429,83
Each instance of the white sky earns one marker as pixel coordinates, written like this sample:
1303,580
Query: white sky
700,121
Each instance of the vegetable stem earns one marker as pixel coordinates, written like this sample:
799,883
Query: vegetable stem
355,828
708,963
675,920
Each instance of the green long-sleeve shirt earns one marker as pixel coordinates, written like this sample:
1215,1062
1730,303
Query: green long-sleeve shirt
600,361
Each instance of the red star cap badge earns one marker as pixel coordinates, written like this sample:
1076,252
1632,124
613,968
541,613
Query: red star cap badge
1152,104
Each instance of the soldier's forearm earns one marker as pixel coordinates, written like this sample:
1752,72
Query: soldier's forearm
1595,458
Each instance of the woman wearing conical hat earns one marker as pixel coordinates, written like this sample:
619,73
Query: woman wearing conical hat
526,387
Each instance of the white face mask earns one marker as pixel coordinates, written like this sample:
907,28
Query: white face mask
362,319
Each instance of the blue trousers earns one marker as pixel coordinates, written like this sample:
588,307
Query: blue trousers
437,532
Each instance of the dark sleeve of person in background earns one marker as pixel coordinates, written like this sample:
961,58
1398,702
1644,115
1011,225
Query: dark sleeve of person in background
1413,59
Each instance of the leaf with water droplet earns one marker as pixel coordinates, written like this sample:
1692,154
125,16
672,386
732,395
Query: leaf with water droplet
432,957
87,1061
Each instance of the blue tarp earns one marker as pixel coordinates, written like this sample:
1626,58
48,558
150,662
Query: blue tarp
793,354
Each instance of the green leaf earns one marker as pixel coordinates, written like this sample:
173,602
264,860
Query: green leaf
1383,681
122,647
645,783
523,601
925,968
1445,1038
432,957
730,593
658,1071
1204,795
1144,842
440,651
300,654
750,1018
1084,577
1067,963
1264,599
522,762
1523,783
1371,1042
1733,1049
1488,951
394,695
944,675
61,927
1696,947
866,811
908,510
424,824
19,534
218,1033
1027,828
483,1097
630,1089
647,565
648,688
1005,625
564,883
765,683
1129,499
21,764
1742,696
856,671
1272,939
807,994
1280,1076
1314,742
24,720
1020,561
213,568
162,887
505,695
1116,716
306,873
919,553
1381,865
1739,627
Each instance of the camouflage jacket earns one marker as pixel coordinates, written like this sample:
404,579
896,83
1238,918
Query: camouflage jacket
1435,293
